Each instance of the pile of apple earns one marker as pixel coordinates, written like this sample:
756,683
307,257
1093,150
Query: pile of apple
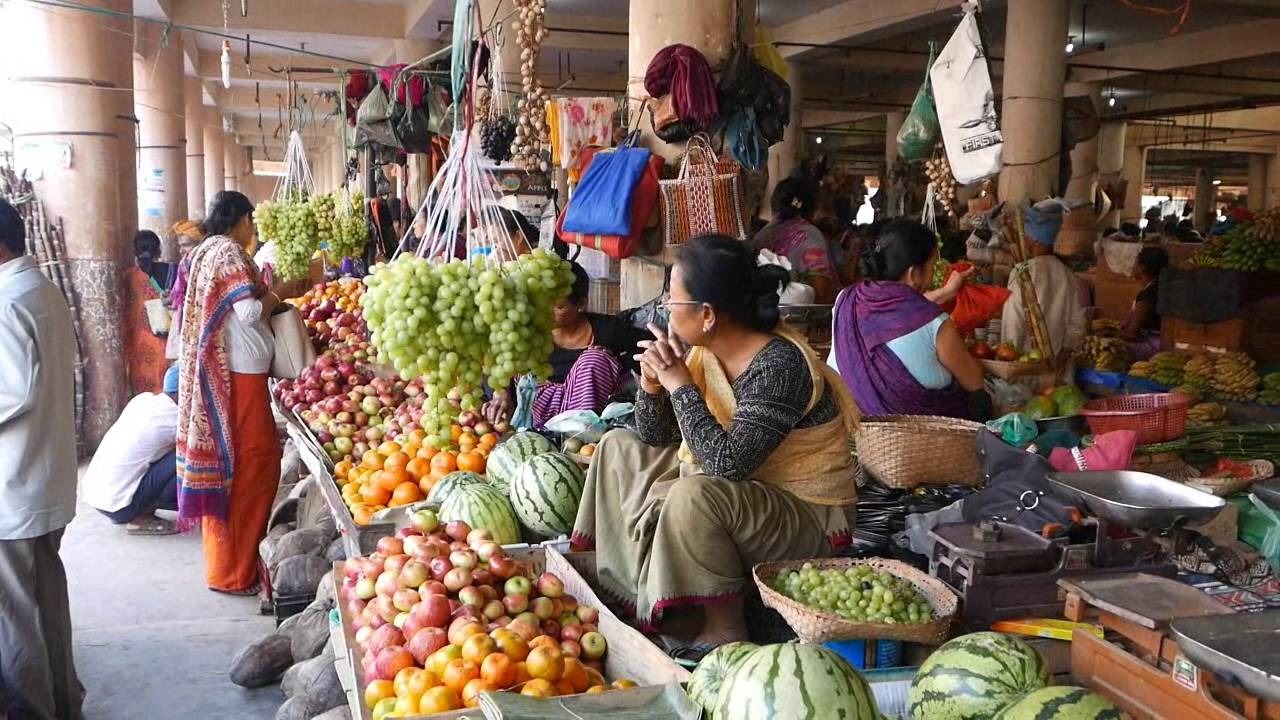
442,614
345,407
331,311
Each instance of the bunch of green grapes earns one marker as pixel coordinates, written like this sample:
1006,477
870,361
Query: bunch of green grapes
267,219
322,208
297,240
351,232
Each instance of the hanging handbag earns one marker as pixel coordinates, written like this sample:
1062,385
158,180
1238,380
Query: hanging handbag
602,203
644,205
293,351
666,123
705,198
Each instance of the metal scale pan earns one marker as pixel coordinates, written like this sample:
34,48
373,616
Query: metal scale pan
1136,500
1242,647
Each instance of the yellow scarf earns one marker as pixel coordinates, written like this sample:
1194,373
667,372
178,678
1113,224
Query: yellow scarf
812,463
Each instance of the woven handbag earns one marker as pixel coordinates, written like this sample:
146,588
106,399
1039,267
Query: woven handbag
705,198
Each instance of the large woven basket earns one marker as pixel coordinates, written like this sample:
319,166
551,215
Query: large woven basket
1222,487
903,451
813,625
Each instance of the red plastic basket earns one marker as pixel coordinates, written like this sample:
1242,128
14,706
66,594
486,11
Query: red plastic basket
1156,417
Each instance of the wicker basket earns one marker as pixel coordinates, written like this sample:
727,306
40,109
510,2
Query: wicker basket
1222,487
1156,417
1006,370
903,451
813,625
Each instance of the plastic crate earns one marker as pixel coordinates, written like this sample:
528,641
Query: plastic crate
1156,417
286,606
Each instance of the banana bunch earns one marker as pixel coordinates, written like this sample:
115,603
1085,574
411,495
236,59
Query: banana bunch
1194,395
1265,227
1235,378
1164,367
1142,369
1105,327
1198,373
1209,414
1103,353
1270,394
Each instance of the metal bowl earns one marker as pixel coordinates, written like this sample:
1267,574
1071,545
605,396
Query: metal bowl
1136,499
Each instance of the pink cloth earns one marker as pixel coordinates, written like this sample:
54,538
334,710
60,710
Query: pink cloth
582,122
1110,451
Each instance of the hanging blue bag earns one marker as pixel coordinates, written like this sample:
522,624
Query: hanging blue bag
602,203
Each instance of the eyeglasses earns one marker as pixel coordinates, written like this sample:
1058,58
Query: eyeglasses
669,303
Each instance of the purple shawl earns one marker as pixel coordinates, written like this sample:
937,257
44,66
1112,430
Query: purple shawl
869,315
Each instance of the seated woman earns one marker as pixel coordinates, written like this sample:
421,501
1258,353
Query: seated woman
740,454
793,235
1142,327
897,351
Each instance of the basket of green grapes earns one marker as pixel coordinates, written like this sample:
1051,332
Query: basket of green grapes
851,599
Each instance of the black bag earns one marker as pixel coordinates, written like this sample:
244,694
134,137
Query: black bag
411,124
749,89
1017,491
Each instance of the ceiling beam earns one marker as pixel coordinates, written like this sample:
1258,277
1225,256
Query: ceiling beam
864,20
1220,44
326,17
1264,119
210,67
815,118
1161,83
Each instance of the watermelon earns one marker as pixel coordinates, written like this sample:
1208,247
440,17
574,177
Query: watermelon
546,493
1062,703
447,484
481,506
504,462
975,676
714,667
794,682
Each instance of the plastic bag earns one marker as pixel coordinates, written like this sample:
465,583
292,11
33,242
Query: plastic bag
793,293
975,306
965,104
920,129
1015,429
1270,544
583,425
602,204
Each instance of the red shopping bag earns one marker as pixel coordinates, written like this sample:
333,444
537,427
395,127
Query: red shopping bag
975,304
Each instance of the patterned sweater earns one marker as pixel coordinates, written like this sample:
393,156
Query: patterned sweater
772,394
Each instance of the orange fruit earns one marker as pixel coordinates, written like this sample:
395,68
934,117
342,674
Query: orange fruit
564,687
546,663
471,462
426,483
498,670
391,479
587,450
389,448
489,440
362,515
543,641
471,693
406,706
439,661
458,673
575,673
417,437
342,469
538,688
445,462
511,645
405,493
375,494
623,684
428,452
595,689
372,459
377,691
439,699
401,683
594,677
456,430
421,682
396,461
478,647
418,468
522,674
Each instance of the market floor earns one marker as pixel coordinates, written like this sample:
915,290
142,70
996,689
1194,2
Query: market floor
151,640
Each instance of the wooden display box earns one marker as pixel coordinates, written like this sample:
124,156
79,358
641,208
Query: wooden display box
631,655
1227,335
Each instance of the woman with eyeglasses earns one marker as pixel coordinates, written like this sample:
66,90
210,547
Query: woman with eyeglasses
740,453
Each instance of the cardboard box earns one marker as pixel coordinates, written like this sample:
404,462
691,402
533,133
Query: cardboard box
1113,294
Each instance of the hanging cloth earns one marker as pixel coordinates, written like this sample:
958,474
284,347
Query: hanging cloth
581,123
683,72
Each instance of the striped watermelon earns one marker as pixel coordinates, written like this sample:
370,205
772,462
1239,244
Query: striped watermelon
481,506
546,493
447,484
1062,703
975,676
504,462
714,667
794,682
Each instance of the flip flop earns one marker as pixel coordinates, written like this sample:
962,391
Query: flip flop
153,526
246,592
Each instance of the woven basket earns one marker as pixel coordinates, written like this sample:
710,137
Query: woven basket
903,451
1006,370
1222,487
813,625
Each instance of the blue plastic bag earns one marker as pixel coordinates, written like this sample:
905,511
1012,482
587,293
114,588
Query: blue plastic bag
602,204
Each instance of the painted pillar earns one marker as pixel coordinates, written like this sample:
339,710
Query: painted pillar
1257,182
1272,196
1111,164
892,126
193,94
1135,175
1084,158
784,156
214,178
70,74
1205,210
231,159
159,103
1034,72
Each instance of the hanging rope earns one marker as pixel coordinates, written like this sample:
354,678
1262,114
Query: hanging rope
1183,11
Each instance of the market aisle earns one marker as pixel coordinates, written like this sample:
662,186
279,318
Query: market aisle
151,641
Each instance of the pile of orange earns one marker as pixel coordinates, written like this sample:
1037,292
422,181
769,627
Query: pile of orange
456,674
402,471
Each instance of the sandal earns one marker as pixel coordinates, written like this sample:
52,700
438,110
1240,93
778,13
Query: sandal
690,655
246,592
153,526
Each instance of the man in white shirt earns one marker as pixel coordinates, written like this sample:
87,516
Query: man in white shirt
135,469
37,485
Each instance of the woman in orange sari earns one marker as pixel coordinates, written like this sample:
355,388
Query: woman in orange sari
147,279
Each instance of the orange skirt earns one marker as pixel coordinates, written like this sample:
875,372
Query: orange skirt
231,547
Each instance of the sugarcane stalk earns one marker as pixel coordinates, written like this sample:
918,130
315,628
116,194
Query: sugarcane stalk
1030,301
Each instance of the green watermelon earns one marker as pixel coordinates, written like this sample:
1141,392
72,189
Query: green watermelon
504,462
447,484
481,506
546,493
975,676
1062,703
714,667
794,682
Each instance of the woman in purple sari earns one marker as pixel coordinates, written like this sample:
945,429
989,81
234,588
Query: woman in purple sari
897,350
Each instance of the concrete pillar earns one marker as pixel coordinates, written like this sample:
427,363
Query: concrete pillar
1084,158
1111,164
231,158
1035,69
892,126
69,80
214,178
784,156
159,103
1134,174
1272,196
193,94
1257,182
1205,211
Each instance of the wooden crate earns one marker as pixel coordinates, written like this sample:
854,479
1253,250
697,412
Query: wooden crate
631,655
1227,335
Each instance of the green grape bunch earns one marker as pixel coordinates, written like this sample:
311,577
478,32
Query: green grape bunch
350,229
858,593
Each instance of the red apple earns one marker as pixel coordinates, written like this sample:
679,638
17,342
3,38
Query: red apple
471,596
434,610
588,614
390,546
542,607
395,562
482,576
363,635
550,585
571,648
488,550
525,629
426,641
569,603
433,587
392,660
384,608
502,566
459,546
413,545
457,578
457,530
479,536
490,592
425,520
383,637
593,645
388,583
414,574
404,599
551,629
463,628
366,588
597,665
407,532
570,632
440,567
516,604
463,559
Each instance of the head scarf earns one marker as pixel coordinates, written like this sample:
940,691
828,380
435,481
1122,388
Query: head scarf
171,380
191,229
1042,222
